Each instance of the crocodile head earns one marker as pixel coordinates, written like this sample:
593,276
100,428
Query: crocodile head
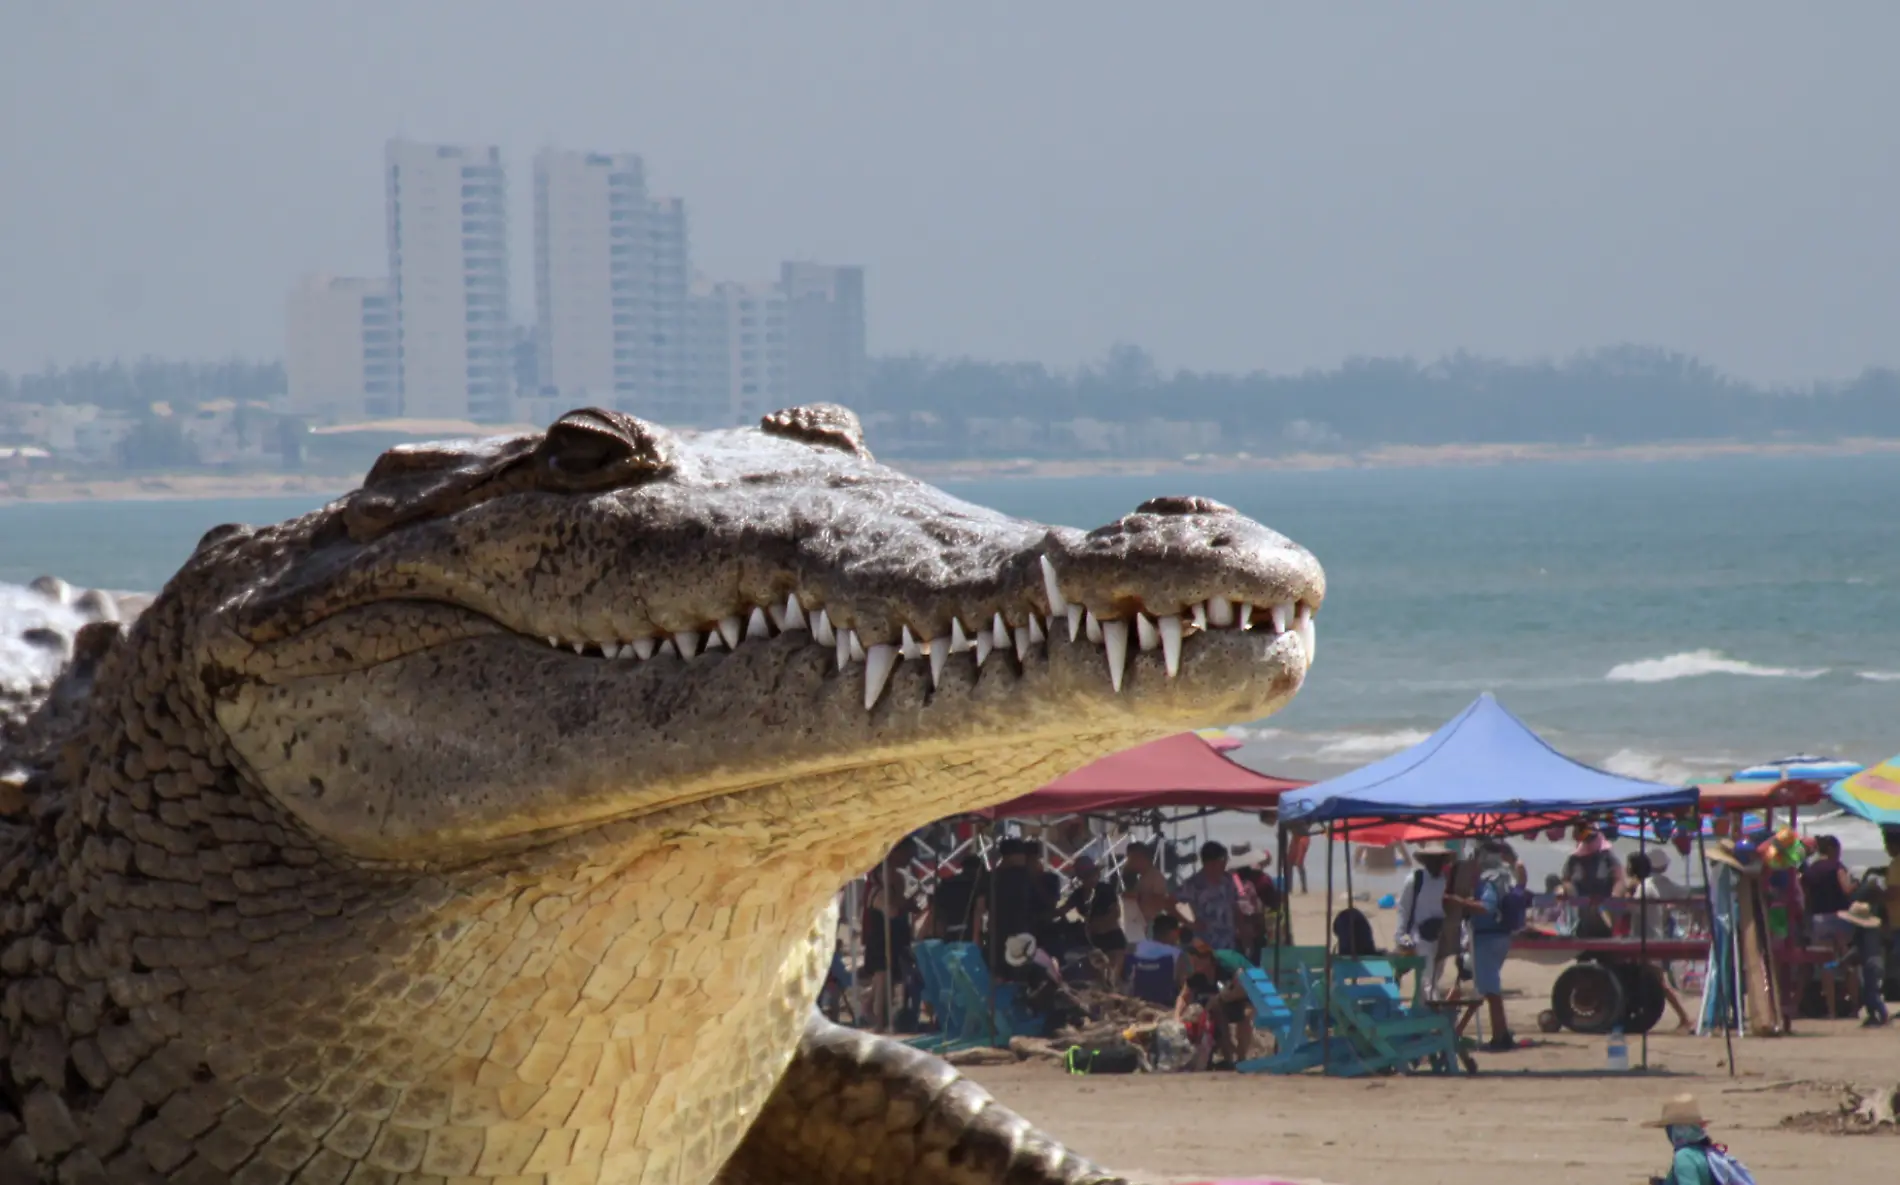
502,642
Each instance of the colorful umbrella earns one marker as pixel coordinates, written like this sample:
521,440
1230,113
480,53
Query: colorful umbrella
1873,793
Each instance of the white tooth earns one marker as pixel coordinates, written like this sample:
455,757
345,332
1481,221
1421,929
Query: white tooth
1075,622
857,646
715,641
579,647
731,629
1056,603
667,647
1309,633
756,626
1115,641
688,642
1245,617
821,630
1035,630
939,654
1145,635
1022,643
554,641
1220,612
609,650
1200,615
908,646
983,647
878,661
842,644
1280,613
643,647
1171,643
959,641
1092,628
1000,629
794,614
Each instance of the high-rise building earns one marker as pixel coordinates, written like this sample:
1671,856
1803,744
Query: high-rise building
737,353
340,349
824,327
448,266
611,289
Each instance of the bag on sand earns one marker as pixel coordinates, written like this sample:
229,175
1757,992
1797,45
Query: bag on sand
1726,1169
1117,1058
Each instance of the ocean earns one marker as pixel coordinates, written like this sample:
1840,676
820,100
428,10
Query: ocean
1668,620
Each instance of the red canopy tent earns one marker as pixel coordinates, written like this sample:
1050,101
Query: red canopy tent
1185,770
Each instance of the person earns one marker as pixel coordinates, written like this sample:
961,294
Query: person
1155,964
1421,911
1101,911
1011,900
1212,897
1490,939
1592,876
1145,894
1352,932
1044,990
1828,889
1218,991
1869,949
1652,922
1297,845
1691,1148
953,903
1259,923
882,919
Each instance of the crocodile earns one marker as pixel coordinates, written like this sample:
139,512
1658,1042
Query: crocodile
486,824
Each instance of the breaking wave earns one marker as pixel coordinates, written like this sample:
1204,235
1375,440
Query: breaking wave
1672,769
1881,676
1692,663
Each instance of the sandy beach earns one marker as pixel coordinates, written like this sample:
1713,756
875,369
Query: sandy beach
78,487
1550,1114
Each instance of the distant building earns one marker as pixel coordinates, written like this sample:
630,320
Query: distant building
825,359
340,349
737,354
448,266
610,285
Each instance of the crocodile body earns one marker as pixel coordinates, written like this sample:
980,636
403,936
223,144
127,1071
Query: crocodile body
485,825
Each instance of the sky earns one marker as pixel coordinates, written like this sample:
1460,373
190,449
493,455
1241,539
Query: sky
1234,186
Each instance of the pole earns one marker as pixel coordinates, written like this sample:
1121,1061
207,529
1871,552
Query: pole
1326,1017
1642,920
995,943
1286,893
1708,903
890,955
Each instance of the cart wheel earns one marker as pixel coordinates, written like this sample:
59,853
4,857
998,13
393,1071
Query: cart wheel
1643,991
1588,998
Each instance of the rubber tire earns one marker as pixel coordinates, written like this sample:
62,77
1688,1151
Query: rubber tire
1645,999
1588,998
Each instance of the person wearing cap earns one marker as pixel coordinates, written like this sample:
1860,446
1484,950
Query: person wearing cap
1689,1142
1421,910
1869,948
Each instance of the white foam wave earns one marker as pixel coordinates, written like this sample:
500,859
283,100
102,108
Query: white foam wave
1881,676
1672,769
1364,746
1691,664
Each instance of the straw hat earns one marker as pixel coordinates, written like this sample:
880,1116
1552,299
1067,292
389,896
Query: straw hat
1680,1111
1860,914
1723,852
1019,950
1425,851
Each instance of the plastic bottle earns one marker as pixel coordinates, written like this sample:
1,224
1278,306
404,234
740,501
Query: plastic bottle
1619,1050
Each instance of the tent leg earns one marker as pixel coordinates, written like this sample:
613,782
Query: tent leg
1642,918
1326,1016
1708,901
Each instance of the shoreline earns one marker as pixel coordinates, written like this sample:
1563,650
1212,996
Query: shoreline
188,486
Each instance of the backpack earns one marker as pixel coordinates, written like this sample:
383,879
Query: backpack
1725,1169
1119,1058
1514,903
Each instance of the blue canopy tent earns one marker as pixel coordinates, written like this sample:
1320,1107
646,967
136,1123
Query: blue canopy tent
1483,773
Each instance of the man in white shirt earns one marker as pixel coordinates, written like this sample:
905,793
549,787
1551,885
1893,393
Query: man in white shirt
1422,911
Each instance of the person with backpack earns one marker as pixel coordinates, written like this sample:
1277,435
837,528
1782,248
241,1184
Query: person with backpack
1422,911
1697,1159
1499,910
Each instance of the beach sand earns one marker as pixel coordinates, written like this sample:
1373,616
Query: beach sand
1550,1114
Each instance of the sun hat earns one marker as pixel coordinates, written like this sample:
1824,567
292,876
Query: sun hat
1431,848
1860,914
1725,852
1658,860
1019,950
1680,1111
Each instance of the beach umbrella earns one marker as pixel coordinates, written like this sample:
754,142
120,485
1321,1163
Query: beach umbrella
1873,793
1801,765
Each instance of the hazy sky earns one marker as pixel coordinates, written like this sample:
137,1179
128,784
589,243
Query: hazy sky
1233,185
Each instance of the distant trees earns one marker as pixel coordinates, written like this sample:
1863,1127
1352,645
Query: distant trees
133,388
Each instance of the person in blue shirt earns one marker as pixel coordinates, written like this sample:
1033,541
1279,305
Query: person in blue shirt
1490,939
1689,1142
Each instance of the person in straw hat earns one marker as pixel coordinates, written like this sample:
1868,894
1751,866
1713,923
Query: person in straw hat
1421,910
1868,945
1698,1160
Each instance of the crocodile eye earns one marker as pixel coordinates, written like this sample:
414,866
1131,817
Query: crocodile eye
594,448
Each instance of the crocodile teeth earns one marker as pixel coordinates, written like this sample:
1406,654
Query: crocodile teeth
794,614
1092,628
609,650
667,646
1023,641
984,644
579,647
821,630
715,640
687,641
878,661
1056,603
1035,630
1245,618
1075,621
1220,612
939,654
842,643
959,641
1279,615
554,641
1115,641
642,648
1200,615
731,629
1145,635
1170,628
756,626
1309,635
909,648
855,644
1000,629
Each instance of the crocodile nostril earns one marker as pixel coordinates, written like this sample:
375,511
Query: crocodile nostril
1183,504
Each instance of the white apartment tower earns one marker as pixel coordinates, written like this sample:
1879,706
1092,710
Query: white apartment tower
738,354
824,328
340,349
610,284
448,267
